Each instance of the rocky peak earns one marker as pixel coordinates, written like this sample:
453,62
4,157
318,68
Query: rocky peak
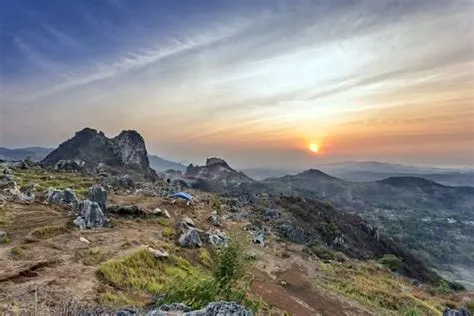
125,153
130,146
216,161
218,171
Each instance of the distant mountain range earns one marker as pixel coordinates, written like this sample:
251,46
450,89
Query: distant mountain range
431,219
35,153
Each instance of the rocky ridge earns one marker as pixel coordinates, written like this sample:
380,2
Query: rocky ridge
91,151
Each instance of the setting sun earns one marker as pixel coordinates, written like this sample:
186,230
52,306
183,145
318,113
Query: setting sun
314,148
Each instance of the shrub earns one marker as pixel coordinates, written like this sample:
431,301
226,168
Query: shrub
216,203
167,232
322,252
205,258
390,261
164,222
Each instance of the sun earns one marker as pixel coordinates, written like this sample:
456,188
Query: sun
314,148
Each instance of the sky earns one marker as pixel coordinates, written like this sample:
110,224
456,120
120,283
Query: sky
255,82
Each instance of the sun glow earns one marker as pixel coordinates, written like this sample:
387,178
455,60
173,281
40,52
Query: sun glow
314,148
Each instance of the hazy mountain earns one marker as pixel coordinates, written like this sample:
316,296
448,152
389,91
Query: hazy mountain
160,164
372,171
431,219
264,173
35,153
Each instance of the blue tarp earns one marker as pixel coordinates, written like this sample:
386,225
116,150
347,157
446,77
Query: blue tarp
182,195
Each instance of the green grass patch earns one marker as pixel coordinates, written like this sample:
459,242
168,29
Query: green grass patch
205,258
179,280
46,232
166,222
59,180
168,233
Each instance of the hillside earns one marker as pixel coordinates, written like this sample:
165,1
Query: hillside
431,219
290,255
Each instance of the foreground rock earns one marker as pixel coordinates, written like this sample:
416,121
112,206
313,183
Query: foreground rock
221,308
90,215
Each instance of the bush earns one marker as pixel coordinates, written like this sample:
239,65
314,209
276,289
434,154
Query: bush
230,281
205,258
390,261
167,232
322,252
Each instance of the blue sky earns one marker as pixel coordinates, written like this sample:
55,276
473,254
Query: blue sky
252,81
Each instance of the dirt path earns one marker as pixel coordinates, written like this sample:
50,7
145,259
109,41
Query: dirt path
298,297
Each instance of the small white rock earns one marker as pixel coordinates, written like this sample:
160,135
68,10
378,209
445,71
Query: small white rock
84,240
158,253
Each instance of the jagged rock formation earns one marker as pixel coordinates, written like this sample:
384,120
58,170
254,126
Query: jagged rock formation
215,175
88,149
98,194
90,215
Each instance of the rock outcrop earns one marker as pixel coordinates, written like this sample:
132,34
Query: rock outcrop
98,194
125,153
90,215
215,175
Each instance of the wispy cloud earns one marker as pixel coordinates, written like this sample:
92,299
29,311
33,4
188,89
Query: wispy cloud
288,72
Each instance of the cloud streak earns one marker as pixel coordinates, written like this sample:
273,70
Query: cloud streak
277,75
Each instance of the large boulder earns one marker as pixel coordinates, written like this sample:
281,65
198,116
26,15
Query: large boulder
98,194
190,239
66,196
221,308
90,215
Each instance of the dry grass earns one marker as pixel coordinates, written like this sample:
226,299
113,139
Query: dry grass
92,256
376,287
46,232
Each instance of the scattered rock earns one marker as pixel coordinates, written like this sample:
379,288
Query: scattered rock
188,221
215,220
259,238
160,212
69,165
454,312
98,194
190,239
158,253
176,307
217,238
221,308
3,237
294,234
91,214
271,214
66,196
283,283
6,170
123,182
82,239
